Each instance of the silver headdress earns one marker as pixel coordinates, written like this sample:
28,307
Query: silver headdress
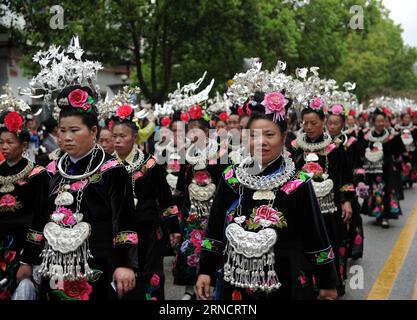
63,67
9,103
218,104
184,97
127,96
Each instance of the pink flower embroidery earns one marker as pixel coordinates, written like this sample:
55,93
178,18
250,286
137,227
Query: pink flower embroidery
64,216
38,237
201,177
133,238
77,98
21,182
360,171
174,210
266,213
330,148
294,143
337,109
196,237
193,260
316,104
229,218
303,280
312,167
51,167
351,140
35,171
358,240
138,175
9,257
155,280
151,162
7,201
229,174
80,290
174,165
78,185
292,185
108,165
275,103
331,254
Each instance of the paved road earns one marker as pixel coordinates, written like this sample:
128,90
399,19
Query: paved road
378,247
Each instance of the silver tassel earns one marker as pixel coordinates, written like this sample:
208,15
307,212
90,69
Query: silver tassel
68,266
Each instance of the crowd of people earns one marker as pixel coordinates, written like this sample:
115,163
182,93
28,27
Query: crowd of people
257,195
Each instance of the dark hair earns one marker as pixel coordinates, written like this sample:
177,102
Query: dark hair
126,123
50,124
405,114
203,124
23,136
258,112
378,112
341,116
90,119
309,110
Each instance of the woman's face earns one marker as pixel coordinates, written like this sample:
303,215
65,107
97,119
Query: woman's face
76,138
220,125
243,123
123,138
197,135
233,122
380,123
313,126
334,125
178,130
266,140
406,120
11,147
106,141
350,121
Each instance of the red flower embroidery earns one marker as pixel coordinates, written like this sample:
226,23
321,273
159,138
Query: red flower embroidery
165,121
196,237
155,280
7,201
5,295
223,116
80,290
185,116
77,98
124,111
266,213
9,257
201,177
195,112
312,167
13,122
236,295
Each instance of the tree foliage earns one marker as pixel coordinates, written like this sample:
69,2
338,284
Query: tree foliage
171,41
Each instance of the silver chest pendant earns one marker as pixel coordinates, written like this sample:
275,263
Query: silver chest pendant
263,195
65,198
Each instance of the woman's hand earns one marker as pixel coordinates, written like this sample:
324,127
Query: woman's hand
327,294
24,272
203,287
125,280
346,211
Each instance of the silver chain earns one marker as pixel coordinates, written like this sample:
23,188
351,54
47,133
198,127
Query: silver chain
80,191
